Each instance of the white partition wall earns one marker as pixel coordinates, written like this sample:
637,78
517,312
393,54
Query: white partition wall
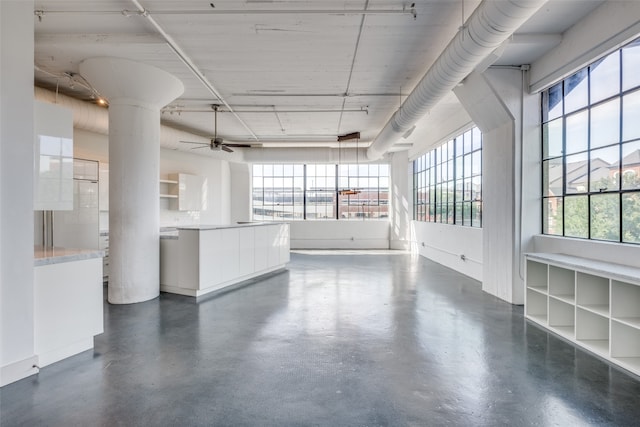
17,359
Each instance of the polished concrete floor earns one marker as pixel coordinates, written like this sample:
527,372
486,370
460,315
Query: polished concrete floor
337,340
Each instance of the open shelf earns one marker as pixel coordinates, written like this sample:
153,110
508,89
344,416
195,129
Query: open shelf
536,307
592,331
600,347
169,196
625,343
537,276
168,181
566,331
562,317
562,283
592,293
592,303
625,302
599,309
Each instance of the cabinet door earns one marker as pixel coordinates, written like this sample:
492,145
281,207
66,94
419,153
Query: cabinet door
103,186
273,245
229,254
284,244
261,248
247,250
190,192
53,161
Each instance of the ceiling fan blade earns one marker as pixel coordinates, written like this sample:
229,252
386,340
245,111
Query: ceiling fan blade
202,146
238,145
227,149
193,142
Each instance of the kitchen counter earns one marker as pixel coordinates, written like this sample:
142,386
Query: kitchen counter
199,259
68,301
227,226
46,256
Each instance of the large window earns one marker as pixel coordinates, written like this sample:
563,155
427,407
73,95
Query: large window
591,151
278,192
320,191
447,182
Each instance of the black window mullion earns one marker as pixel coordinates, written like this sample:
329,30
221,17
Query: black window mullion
337,203
304,192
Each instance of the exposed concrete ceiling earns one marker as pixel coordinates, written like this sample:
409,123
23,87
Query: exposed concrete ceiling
296,73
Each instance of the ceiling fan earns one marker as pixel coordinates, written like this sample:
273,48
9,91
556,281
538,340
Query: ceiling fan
215,143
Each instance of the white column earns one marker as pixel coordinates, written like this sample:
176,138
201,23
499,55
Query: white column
135,92
16,191
401,194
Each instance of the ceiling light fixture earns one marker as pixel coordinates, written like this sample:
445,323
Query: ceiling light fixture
346,137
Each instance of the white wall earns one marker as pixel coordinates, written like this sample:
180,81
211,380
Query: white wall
443,243
240,197
340,234
448,244
16,191
94,146
607,28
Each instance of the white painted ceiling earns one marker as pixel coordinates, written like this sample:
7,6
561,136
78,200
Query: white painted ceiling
296,72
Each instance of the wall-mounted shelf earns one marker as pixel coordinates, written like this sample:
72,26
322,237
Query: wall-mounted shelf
183,191
594,304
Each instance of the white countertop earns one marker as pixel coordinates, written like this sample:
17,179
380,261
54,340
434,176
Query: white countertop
616,271
46,256
219,227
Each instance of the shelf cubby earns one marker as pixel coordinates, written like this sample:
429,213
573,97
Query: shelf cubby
536,307
625,345
592,331
625,303
537,276
592,303
562,283
592,293
562,317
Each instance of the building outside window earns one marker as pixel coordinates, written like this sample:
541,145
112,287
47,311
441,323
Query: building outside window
320,191
447,182
591,151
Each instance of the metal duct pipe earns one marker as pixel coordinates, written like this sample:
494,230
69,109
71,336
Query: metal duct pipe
488,27
86,116
92,118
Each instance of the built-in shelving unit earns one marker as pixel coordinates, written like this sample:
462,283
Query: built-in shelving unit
184,191
168,189
591,303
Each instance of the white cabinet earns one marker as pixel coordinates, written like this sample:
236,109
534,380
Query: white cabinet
246,255
187,190
53,162
103,181
203,260
591,303
68,304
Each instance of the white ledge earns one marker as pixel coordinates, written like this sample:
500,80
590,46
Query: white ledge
615,271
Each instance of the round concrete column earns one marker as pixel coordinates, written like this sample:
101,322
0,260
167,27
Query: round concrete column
136,93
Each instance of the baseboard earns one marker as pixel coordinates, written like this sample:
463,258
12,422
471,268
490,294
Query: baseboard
18,370
71,349
402,245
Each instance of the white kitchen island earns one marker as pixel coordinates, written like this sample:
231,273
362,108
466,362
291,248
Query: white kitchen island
197,260
68,301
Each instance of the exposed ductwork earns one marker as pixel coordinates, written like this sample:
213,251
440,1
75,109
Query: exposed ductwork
492,23
92,118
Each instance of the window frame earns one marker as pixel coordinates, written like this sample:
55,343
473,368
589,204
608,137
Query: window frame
447,183
373,203
592,164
